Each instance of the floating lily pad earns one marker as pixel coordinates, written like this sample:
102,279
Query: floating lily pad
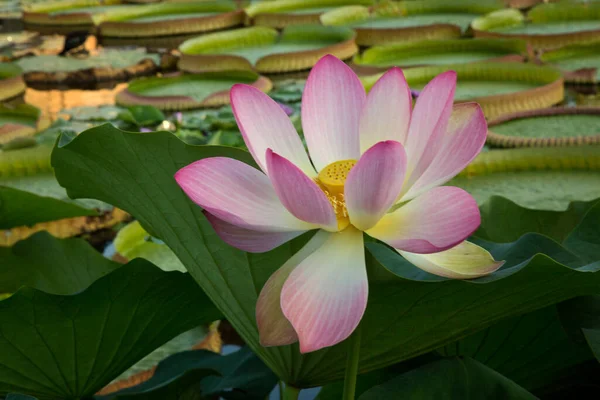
542,178
391,22
105,65
296,48
579,63
500,88
170,23
20,121
11,81
186,92
293,12
435,52
546,127
64,16
546,25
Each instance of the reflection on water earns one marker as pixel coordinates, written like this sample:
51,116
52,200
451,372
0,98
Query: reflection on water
51,102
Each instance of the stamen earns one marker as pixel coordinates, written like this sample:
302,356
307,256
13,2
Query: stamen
331,180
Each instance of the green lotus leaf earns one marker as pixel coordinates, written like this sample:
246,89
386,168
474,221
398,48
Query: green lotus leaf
434,52
132,241
500,88
546,127
291,12
454,377
240,371
20,121
63,346
171,21
546,25
579,63
11,81
296,48
405,317
391,22
188,91
581,317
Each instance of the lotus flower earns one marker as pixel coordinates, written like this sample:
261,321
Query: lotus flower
376,166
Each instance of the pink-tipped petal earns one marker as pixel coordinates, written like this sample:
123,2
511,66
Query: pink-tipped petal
249,240
325,296
264,124
435,221
273,327
463,261
428,122
386,114
238,194
462,141
374,183
300,194
331,104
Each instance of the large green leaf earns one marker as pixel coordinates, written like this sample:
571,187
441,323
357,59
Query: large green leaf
54,266
242,375
532,349
453,378
406,316
70,346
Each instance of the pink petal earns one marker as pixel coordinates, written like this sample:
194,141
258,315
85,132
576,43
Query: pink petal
331,104
428,122
386,114
300,194
238,194
460,144
264,124
249,240
274,329
373,185
435,221
463,261
325,296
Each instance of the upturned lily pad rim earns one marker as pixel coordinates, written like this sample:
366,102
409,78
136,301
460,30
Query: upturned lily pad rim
10,131
123,24
549,92
11,81
583,75
280,14
577,158
197,53
514,49
133,94
53,13
376,36
543,13
497,139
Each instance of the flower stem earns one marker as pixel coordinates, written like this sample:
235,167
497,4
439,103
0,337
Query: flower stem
352,365
290,393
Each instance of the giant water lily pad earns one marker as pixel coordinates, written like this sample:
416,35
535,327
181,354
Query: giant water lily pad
11,81
546,25
64,16
20,121
542,178
436,52
406,316
391,22
167,23
292,12
296,48
499,88
546,127
188,91
579,63
104,65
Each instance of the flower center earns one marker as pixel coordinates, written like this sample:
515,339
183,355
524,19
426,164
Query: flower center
331,179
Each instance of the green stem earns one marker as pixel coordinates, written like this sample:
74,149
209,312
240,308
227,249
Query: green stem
290,393
352,365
